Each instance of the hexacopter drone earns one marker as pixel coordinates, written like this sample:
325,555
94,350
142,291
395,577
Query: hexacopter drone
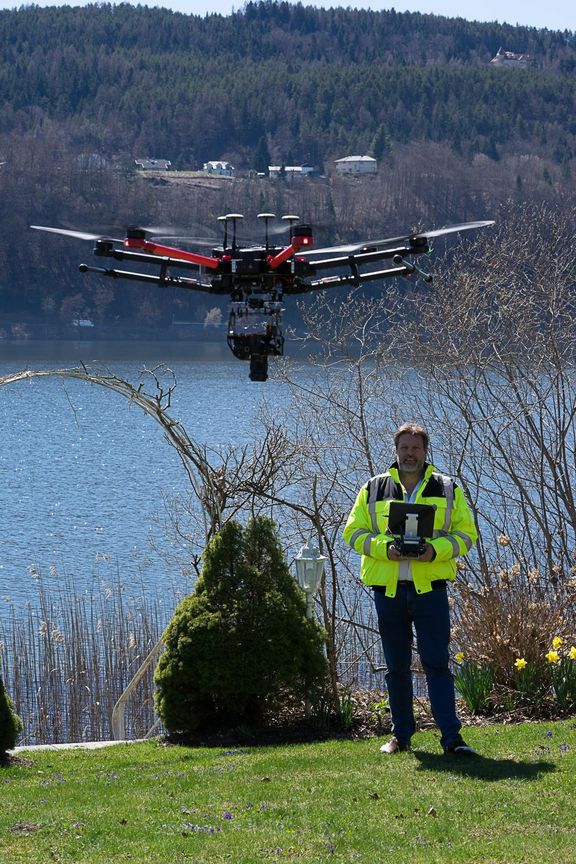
256,278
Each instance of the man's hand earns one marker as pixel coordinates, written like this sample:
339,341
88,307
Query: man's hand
427,555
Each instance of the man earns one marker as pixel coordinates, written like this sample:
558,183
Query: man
411,591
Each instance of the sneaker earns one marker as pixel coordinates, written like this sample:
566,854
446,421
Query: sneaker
458,747
395,746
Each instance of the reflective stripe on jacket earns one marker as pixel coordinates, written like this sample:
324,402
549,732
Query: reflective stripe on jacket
367,527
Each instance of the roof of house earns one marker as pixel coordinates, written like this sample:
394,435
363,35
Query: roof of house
356,159
158,164
294,169
218,163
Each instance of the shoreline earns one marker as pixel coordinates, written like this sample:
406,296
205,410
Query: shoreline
89,351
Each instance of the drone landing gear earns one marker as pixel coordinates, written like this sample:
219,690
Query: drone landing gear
258,367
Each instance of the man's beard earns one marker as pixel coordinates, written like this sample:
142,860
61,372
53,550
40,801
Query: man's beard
411,467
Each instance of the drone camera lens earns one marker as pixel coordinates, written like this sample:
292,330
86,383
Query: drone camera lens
258,367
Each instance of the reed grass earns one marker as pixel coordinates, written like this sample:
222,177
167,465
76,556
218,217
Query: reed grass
67,657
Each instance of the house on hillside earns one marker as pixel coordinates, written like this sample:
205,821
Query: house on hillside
356,165
219,167
290,172
153,164
510,60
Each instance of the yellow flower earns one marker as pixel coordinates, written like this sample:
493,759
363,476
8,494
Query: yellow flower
573,652
552,656
556,642
520,663
459,657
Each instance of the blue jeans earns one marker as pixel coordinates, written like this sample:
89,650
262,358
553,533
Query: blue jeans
430,616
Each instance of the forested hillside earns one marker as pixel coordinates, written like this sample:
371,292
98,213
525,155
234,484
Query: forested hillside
85,91
316,83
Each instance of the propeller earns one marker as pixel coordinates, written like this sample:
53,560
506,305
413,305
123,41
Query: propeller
284,226
389,241
202,235
190,241
153,230
438,232
79,235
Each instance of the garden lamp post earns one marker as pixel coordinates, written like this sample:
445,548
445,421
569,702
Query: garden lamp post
309,570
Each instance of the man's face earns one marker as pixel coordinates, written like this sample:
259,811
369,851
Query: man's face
410,453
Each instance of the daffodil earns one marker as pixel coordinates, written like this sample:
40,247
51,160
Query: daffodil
572,654
556,642
459,657
520,663
553,657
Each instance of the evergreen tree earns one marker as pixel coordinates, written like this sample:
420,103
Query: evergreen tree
381,143
262,158
242,641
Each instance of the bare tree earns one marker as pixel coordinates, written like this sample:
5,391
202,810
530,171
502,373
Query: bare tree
485,359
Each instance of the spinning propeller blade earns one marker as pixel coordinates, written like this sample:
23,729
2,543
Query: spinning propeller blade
190,241
80,235
351,248
153,230
438,232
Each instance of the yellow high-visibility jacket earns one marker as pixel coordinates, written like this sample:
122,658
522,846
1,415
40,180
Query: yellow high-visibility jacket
366,530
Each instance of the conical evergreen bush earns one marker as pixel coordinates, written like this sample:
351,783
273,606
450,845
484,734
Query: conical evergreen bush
241,643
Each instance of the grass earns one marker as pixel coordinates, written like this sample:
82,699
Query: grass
332,801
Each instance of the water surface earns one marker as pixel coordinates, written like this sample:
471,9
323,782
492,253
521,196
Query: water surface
84,474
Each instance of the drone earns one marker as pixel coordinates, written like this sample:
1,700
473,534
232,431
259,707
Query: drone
256,278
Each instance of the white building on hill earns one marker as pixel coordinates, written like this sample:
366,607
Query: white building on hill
219,167
356,165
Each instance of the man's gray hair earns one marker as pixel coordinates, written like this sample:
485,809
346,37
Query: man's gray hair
412,429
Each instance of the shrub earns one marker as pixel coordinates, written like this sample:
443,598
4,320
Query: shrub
10,723
511,618
241,643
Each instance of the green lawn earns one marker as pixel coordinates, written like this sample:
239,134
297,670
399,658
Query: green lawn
332,801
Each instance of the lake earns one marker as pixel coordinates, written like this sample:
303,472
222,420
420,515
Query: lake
84,474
